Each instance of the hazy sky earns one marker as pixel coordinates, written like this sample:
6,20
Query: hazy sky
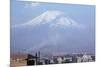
62,28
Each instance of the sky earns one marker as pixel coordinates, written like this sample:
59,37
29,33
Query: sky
52,27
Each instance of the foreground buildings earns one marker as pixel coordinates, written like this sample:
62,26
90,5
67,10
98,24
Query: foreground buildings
69,58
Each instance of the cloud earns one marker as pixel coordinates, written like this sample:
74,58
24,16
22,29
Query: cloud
32,4
28,4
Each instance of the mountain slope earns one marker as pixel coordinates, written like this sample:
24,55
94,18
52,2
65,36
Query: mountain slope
51,32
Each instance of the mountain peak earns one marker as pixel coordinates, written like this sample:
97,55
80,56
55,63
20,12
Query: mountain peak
54,18
46,17
43,18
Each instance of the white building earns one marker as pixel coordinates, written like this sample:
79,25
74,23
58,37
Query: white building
86,58
79,59
59,59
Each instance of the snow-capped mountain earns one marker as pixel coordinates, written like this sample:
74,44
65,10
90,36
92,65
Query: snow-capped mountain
52,17
39,34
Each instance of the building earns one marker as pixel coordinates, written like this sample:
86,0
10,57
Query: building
86,58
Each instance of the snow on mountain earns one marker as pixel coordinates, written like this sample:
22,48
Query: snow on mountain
54,18
44,18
